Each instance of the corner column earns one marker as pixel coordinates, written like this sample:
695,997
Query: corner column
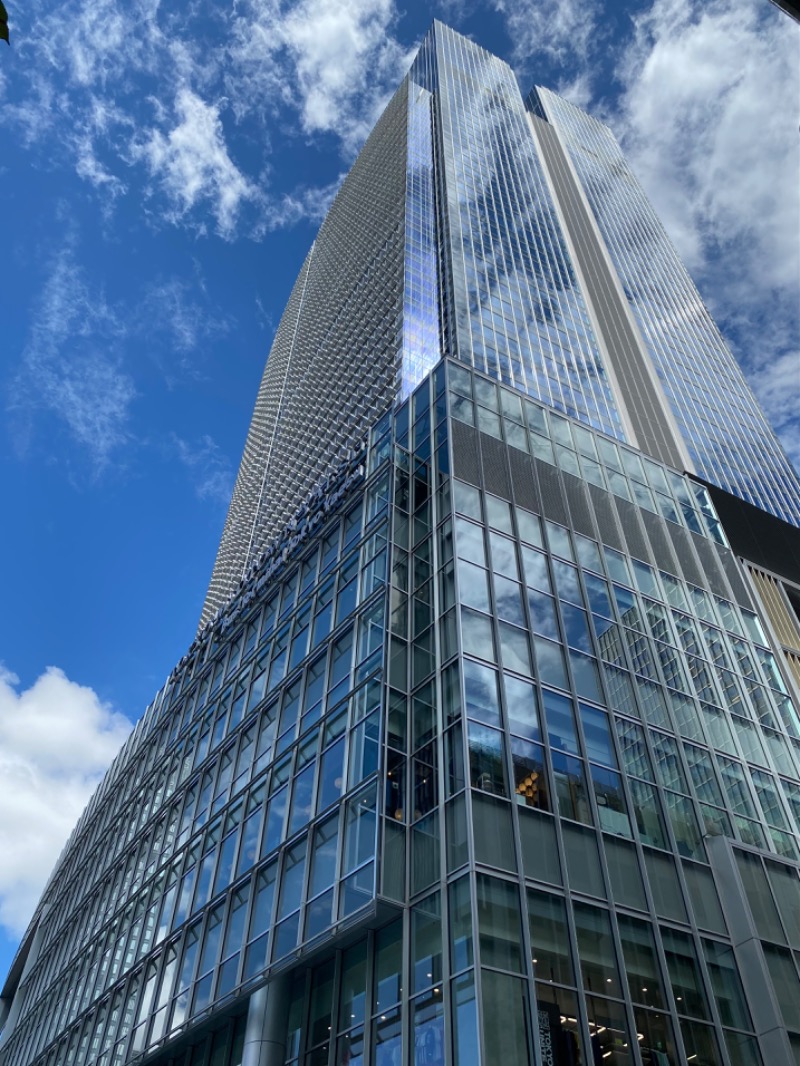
265,1032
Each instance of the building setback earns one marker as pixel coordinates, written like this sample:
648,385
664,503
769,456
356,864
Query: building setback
487,751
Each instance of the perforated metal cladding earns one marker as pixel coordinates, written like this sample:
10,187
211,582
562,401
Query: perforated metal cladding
522,480
466,459
711,566
635,541
683,550
553,505
660,543
496,477
334,365
606,518
738,587
234,547
579,509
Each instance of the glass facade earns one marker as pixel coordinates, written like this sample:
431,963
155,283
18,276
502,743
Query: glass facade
493,757
514,308
729,440
467,741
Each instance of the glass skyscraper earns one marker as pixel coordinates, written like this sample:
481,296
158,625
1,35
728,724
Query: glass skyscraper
487,752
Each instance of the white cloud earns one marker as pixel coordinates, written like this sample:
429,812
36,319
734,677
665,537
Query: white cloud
178,310
71,368
306,202
708,119
777,385
56,740
191,163
209,468
335,63
563,31
319,66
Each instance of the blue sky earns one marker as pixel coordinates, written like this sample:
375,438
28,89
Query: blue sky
164,168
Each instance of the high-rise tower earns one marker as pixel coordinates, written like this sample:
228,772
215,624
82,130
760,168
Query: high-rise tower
488,751
514,237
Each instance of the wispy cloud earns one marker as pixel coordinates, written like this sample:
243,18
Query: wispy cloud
56,740
180,310
562,31
191,165
708,120
71,367
141,102
75,382
209,469
336,63
777,385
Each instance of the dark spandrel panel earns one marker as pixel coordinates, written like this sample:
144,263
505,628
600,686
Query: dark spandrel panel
686,560
522,480
553,505
632,531
466,461
579,507
497,479
660,543
606,518
712,569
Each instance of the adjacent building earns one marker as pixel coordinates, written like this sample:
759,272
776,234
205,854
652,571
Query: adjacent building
487,751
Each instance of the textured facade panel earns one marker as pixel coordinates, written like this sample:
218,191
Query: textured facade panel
579,510
523,482
496,474
635,541
337,359
606,517
553,504
466,454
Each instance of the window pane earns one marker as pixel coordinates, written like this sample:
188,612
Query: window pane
465,1021
596,950
499,923
549,938
426,943
611,1041
505,1020
726,985
684,973
641,963
352,998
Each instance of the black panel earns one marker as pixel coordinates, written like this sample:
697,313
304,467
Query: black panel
466,462
553,505
759,537
579,508
525,492
606,518
496,478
